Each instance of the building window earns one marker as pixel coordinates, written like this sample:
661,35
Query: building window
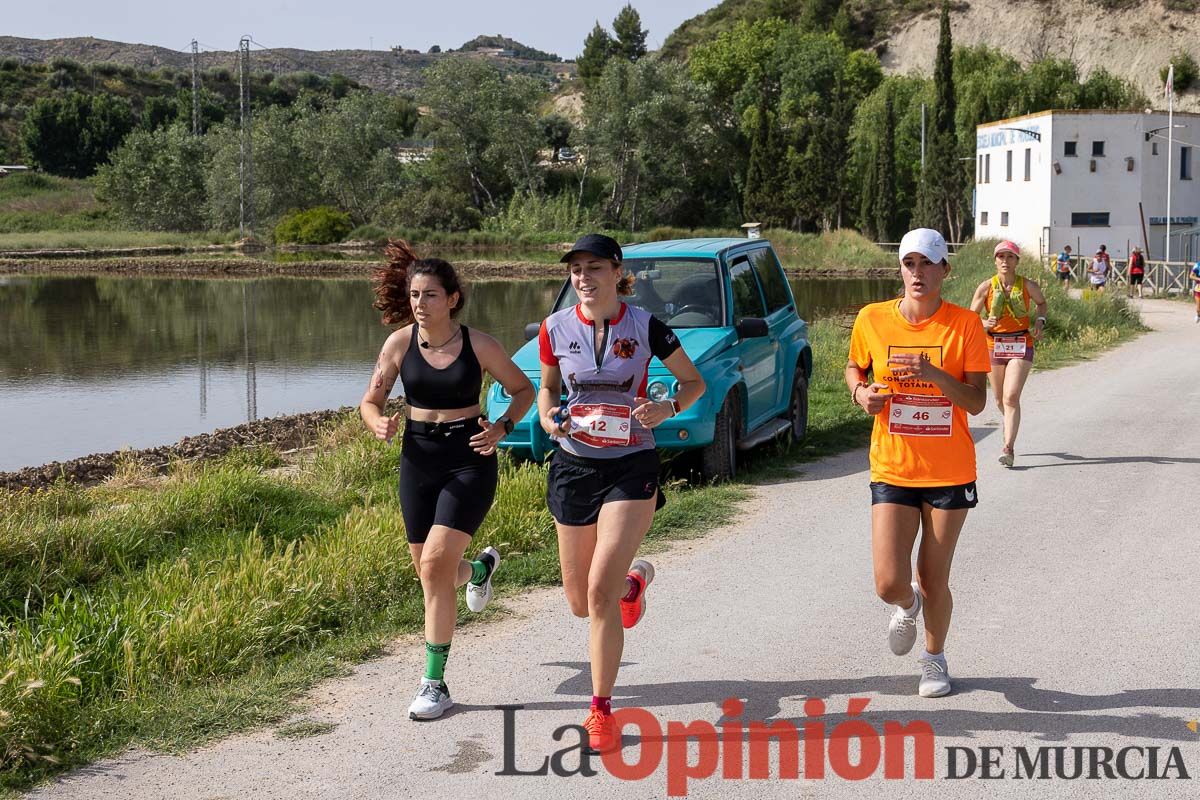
1008,165
1003,219
1069,148
987,168
1097,149
979,172
1185,163
1028,162
1154,148
1089,219
983,218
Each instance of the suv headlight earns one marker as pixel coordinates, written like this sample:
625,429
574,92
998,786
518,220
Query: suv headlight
657,391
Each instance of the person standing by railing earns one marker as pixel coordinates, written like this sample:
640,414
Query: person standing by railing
1098,271
1137,271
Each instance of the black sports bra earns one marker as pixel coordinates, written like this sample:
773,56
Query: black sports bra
456,386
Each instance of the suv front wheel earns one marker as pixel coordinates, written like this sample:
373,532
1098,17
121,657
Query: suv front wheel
718,461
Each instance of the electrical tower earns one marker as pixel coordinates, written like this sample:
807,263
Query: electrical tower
195,88
246,171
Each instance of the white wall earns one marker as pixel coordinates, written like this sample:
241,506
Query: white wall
1049,199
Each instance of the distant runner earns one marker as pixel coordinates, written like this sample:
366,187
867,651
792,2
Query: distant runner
1005,299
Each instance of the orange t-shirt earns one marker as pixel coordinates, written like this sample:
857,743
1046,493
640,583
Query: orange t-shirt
921,440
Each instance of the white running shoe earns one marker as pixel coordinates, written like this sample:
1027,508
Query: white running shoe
431,701
935,677
1007,459
902,629
479,596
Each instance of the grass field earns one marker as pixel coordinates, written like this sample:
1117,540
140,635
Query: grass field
171,611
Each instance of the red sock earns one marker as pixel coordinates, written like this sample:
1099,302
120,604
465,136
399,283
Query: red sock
635,586
602,704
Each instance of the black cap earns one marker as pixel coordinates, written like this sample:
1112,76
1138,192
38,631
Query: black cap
598,245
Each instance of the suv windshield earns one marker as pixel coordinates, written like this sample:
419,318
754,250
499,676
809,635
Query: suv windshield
682,292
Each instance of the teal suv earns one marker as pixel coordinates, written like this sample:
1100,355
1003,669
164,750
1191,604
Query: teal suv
732,308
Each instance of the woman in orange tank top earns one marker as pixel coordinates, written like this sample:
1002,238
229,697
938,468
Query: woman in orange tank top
1004,300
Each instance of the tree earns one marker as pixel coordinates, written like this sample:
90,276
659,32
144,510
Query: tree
156,179
598,48
485,128
557,131
643,131
884,211
70,133
159,111
940,203
765,187
631,37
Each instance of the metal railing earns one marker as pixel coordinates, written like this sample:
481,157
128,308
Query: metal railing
1166,277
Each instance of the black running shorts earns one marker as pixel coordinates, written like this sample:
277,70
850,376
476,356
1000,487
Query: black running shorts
443,481
577,487
946,498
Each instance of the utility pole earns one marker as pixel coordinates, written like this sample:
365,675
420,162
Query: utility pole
246,166
195,88
1170,149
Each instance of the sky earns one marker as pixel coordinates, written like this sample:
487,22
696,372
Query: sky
555,26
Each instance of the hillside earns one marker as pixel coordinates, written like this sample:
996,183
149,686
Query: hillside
390,71
1130,39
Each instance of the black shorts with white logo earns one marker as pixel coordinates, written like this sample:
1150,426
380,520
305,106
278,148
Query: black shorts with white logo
945,498
576,488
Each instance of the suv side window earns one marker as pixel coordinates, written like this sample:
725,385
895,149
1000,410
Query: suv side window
747,301
770,275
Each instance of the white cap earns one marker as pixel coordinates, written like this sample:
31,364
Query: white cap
925,241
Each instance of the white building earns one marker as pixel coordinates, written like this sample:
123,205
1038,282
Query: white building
1077,177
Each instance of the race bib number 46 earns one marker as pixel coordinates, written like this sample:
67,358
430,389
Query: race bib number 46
920,415
1009,347
601,424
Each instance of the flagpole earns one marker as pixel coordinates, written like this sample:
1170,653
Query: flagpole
1170,148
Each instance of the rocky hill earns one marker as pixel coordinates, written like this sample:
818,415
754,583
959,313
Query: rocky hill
396,71
1130,38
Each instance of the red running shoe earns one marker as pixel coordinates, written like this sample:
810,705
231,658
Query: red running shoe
632,611
602,731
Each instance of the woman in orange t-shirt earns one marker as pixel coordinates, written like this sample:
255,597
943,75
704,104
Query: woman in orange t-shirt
1005,299
930,363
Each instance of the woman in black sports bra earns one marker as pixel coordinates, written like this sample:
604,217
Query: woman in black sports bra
448,469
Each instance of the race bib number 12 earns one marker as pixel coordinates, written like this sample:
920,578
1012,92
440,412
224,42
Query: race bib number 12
601,424
920,415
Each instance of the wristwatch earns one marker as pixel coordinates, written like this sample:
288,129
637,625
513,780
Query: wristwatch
675,409
507,423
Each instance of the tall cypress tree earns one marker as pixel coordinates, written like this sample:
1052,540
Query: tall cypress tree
885,175
762,198
940,201
631,36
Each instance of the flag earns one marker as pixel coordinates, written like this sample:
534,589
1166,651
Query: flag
1169,89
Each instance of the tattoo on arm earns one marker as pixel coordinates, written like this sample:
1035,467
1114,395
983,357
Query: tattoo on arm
382,379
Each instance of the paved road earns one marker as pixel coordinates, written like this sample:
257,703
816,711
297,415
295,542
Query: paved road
1076,586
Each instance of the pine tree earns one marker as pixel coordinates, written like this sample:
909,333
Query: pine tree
631,37
598,47
940,203
885,176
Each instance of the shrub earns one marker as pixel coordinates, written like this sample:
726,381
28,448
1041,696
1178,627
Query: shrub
65,64
438,208
530,213
1186,71
320,225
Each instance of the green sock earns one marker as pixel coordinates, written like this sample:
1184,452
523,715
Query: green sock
435,660
481,569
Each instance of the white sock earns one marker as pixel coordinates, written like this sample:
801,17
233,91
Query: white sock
911,610
940,657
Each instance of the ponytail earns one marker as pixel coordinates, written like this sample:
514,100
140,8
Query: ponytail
625,283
